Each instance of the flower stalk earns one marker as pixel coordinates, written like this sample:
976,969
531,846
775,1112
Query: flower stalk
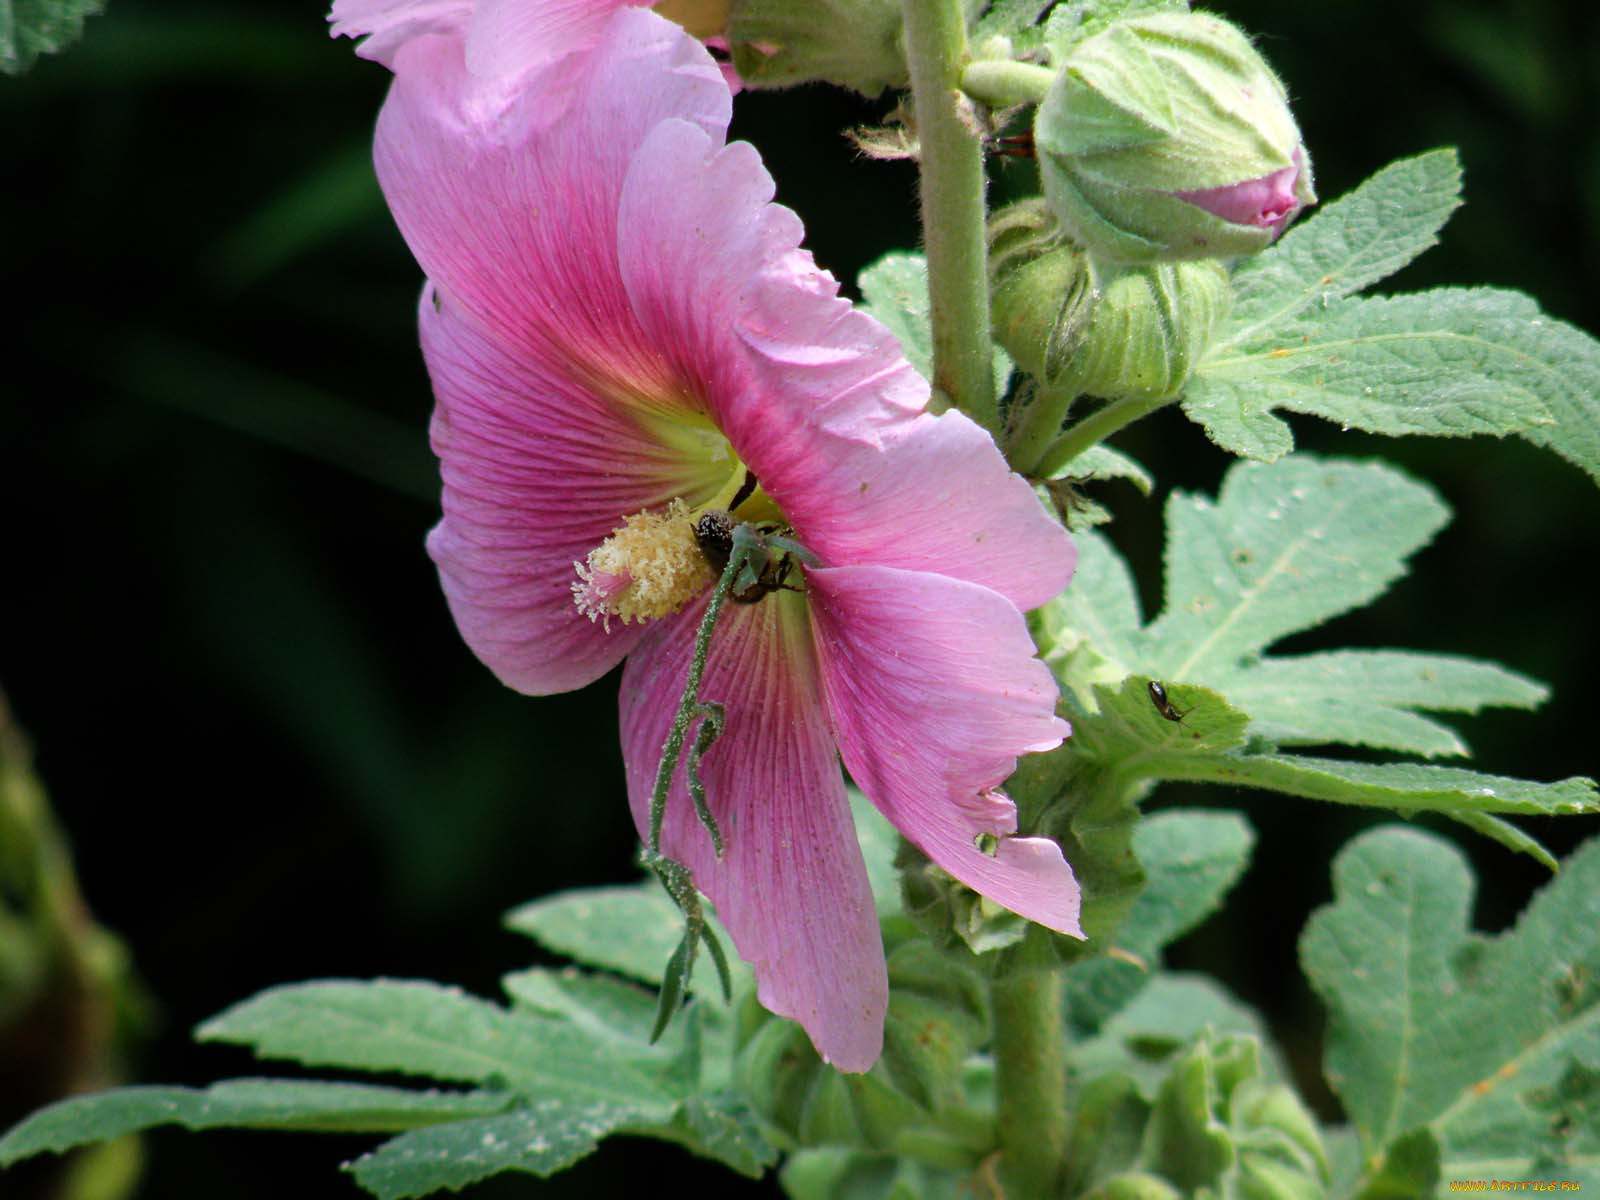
952,210
1030,1053
1094,429
1003,82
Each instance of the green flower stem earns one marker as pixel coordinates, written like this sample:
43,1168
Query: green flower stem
1035,426
1030,1053
1094,429
1000,82
952,210
689,706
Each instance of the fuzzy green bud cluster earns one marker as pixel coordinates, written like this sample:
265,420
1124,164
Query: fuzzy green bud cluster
1126,333
1167,137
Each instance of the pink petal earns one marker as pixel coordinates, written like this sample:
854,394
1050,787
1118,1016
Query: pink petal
934,690
389,24
791,887
508,38
516,220
537,472
815,396
1269,202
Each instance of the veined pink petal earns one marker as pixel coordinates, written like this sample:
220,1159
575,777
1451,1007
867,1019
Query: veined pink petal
791,887
388,25
934,690
518,225
816,397
537,472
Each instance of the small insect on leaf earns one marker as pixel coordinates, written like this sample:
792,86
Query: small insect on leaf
1163,703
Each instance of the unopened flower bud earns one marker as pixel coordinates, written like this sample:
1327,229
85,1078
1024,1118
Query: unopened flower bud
1136,336
1149,327
1167,137
1039,289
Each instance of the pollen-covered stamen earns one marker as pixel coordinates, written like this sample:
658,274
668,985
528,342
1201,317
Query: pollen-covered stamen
649,567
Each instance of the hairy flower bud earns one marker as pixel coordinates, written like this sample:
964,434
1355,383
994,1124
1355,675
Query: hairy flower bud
1039,289
1149,327
1167,137
1136,335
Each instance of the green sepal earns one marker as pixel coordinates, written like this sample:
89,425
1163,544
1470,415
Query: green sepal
857,44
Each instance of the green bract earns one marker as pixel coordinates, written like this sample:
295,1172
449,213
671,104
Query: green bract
1133,333
1155,108
854,43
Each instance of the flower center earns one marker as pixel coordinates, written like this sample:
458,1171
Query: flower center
652,565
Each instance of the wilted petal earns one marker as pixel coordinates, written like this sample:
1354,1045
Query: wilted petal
537,471
815,396
517,223
934,690
791,887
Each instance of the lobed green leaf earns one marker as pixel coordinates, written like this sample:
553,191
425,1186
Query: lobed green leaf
424,1029
895,291
1363,697
1451,362
1481,1048
307,1105
29,28
632,930
1347,245
1283,548
1191,859
544,1138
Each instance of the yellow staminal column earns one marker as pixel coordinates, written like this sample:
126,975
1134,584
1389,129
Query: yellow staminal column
649,567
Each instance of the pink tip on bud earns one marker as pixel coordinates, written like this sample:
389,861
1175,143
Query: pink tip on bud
1270,202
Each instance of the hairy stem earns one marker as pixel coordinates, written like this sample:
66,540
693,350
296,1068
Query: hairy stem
1093,430
1000,83
1035,426
1030,1053
952,210
689,707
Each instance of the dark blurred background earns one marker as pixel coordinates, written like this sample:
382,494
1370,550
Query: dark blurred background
274,758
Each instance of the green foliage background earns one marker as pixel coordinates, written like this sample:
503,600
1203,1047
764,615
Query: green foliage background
272,753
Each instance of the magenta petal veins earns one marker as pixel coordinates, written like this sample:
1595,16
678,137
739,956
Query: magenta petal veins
623,334
791,887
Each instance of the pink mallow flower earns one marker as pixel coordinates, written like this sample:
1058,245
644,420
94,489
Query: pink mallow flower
621,329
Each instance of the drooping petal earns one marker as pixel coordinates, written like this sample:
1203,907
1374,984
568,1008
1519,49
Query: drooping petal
934,690
387,25
516,221
537,472
791,887
816,397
